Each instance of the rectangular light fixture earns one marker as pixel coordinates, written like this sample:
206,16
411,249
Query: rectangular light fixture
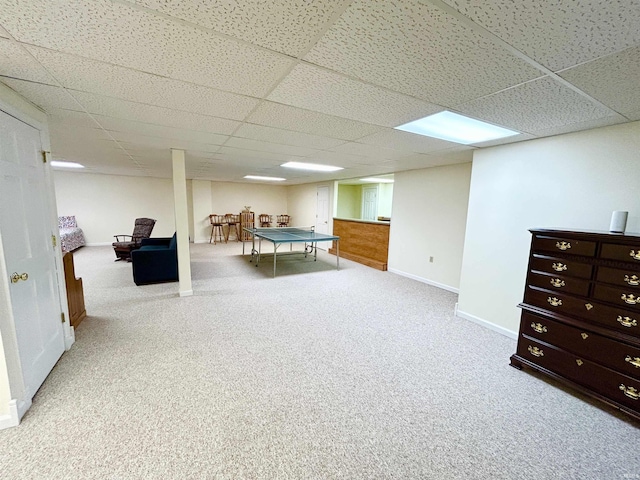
59,164
453,127
268,179
376,180
311,166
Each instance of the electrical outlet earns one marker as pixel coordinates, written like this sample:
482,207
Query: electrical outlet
430,259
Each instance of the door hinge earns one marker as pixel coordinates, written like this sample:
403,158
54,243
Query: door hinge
44,157
62,317
54,242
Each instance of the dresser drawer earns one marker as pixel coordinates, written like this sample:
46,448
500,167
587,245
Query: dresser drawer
626,253
620,388
560,282
629,278
564,245
562,266
628,297
584,309
617,355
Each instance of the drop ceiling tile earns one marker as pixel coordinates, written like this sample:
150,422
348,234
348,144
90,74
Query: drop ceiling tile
418,50
138,128
534,106
370,151
139,112
108,80
249,144
406,141
116,33
15,62
314,88
633,115
132,140
46,97
286,26
339,159
286,137
558,34
613,80
503,141
58,116
254,155
290,118
421,160
575,127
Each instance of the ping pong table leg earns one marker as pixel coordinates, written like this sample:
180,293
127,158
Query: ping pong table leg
337,254
314,246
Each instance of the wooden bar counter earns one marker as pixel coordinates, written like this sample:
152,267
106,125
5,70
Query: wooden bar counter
363,241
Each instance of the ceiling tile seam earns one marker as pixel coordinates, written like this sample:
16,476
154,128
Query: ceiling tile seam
197,26
586,62
126,67
28,53
487,34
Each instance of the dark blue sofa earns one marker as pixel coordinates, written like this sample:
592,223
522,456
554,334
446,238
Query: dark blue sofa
155,261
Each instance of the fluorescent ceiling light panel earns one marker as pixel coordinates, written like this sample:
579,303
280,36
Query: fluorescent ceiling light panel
56,163
268,179
377,180
456,128
311,166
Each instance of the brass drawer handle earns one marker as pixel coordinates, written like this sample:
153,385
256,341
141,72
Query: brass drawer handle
635,255
556,282
554,302
627,321
632,280
630,392
588,306
559,267
631,299
565,246
535,351
579,362
633,361
584,336
538,327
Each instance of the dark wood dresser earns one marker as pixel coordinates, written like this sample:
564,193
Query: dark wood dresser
580,319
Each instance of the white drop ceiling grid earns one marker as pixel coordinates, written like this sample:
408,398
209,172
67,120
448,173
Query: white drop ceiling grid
245,86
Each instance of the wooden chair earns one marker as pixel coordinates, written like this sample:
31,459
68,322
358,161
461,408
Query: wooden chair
233,221
217,228
265,220
125,244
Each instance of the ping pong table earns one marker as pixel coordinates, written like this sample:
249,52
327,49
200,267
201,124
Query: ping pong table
279,235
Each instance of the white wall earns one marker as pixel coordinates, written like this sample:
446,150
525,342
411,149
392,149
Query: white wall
349,201
385,199
302,201
428,220
107,205
571,181
200,210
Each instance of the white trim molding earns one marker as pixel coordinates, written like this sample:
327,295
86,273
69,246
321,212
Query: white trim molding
485,323
423,280
16,412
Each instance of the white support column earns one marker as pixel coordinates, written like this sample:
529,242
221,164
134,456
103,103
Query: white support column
182,221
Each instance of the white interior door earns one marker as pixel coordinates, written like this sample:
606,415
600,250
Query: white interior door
322,213
370,203
25,223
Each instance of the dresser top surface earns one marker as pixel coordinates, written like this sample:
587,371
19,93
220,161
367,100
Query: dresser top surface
593,234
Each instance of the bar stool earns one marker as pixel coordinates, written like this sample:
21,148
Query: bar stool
265,220
283,220
217,229
233,221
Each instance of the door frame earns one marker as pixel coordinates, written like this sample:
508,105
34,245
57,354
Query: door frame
10,414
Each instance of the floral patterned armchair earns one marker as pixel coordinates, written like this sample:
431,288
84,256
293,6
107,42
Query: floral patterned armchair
71,236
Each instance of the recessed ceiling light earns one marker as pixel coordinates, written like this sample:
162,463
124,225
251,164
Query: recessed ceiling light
269,179
59,164
377,180
453,127
311,166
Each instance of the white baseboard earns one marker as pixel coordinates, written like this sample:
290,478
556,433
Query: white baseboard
99,244
423,280
186,293
69,339
485,323
16,411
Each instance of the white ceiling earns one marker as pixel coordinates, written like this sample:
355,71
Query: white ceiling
244,86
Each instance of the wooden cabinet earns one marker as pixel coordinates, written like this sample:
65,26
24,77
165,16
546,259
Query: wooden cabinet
363,242
580,320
